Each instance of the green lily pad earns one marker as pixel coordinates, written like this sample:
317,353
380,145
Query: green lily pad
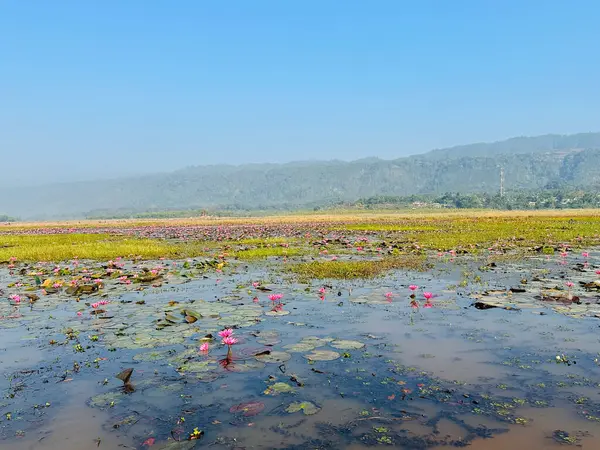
316,341
269,337
322,355
152,356
347,345
279,388
105,400
245,366
307,408
281,312
300,347
274,357
197,367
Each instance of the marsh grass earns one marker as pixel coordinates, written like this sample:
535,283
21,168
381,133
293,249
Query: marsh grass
62,247
508,231
348,270
266,252
472,231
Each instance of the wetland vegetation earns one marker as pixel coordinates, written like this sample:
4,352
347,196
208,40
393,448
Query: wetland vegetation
413,330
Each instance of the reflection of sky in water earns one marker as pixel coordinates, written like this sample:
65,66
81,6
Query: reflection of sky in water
475,368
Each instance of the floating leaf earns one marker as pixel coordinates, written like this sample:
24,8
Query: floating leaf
307,408
347,345
268,337
300,347
248,409
316,341
322,355
274,357
279,388
281,312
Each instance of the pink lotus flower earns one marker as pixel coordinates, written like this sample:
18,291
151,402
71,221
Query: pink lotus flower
227,332
204,347
255,299
563,254
79,313
322,290
570,284
334,258
255,284
585,254
389,295
427,295
413,287
230,340
95,305
15,298
598,272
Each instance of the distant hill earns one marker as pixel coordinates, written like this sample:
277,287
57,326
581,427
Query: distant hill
529,163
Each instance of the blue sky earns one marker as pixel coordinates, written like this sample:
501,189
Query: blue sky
101,88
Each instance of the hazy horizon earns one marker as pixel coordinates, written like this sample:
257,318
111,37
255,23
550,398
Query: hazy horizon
105,90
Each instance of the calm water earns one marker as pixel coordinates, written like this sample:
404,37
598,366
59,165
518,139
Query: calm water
439,377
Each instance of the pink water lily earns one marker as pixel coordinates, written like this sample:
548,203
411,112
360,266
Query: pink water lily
15,298
230,340
389,295
427,295
204,347
570,284
585,254
227,332
413,287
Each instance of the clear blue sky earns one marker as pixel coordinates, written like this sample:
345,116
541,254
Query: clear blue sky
95,88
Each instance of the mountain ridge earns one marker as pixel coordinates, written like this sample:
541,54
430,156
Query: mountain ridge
529,163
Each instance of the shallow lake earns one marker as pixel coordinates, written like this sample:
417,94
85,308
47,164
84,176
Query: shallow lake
329,365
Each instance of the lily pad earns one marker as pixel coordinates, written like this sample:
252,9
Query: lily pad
105,400
248,409
279,388
281,312
322,355
268,337
245,366
300,347
316,341
347,345
307,408
197,367
274,357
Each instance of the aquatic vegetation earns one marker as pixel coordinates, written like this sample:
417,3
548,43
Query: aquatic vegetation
177,319
348,270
